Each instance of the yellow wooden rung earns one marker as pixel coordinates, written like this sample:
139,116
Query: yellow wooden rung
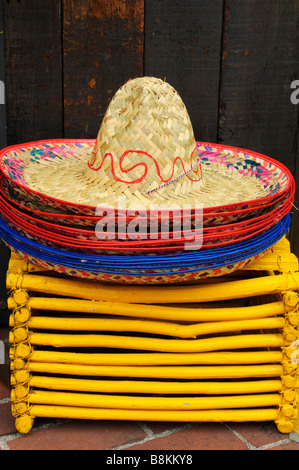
145,359
160,294
156,344
160,312
161,372
149,326
156,387
70,412
153,403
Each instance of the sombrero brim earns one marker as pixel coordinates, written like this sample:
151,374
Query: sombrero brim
30,207
165,270
180,268
82,239
233,178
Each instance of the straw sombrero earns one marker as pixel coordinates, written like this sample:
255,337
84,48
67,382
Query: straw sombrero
147,155
146,151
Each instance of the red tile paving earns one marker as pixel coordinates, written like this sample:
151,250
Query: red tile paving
205,436
7,422
54,434
80,435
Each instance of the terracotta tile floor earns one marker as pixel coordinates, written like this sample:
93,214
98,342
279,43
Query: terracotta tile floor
54,434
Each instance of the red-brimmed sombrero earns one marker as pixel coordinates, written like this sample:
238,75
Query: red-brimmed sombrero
145,152
145,161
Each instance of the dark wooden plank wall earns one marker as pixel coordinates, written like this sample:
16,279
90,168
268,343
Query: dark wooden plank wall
4,254
3,136
32,31
102,48
260,59
183,45
232,61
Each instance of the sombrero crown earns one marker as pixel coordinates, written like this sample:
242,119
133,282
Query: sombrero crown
145,142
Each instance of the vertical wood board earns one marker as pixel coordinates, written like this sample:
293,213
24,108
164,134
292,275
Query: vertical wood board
33,69
3,128
260,53
103,48
182,45
259,62
4,251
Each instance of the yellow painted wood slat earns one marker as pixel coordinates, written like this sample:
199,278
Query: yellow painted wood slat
222,357
151,327
164,372
154,344
153,403
160,312
162,294
156,387
68,412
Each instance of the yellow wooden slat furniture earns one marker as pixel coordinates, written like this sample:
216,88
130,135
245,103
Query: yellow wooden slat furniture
223,349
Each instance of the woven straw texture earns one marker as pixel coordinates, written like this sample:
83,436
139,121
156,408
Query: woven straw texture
58,170
145,151
159,279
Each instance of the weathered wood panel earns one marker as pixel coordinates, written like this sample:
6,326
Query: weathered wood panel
182,45
103,48
3,136
259,62
4,251
33,69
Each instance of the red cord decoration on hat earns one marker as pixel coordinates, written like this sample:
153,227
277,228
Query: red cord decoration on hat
138,180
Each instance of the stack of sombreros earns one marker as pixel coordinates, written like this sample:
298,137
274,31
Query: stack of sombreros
144,202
